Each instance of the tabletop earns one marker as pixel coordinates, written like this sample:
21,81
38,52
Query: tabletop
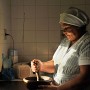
12,85
20,85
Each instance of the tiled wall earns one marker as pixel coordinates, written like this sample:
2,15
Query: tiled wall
4,24
35,27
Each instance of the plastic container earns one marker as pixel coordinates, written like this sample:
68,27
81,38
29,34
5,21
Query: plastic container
13,54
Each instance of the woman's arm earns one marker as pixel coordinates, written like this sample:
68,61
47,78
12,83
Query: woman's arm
48,67
43,66
77,81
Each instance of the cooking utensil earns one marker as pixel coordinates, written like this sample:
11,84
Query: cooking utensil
38,76
37,72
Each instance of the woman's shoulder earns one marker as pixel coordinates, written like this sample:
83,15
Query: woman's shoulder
85,40
86,37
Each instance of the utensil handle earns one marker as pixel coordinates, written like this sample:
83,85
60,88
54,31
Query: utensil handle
37,75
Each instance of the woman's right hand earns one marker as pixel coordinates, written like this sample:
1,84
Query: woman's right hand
36,65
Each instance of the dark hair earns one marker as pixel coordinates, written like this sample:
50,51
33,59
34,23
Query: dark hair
82,30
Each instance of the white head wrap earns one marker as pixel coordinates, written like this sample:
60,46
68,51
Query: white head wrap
74,16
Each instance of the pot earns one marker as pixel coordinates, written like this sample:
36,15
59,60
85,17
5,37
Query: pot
32,83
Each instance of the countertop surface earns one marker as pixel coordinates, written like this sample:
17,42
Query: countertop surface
12,85
20,85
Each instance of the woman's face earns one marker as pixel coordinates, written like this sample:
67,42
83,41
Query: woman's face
70,32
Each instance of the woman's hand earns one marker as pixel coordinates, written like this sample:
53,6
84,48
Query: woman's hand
36,65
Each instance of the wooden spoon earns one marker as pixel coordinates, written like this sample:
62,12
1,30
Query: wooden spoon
37,72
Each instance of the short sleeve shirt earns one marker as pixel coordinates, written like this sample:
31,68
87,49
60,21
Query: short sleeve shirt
67,60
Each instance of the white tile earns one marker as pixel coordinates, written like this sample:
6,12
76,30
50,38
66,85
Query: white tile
64,8
41,11
42,36
54,24
7,24
17,2
29,11
54,2
42,49
54,36
19,47
17,24
30,57
43,57
5,2
29,24
5,48
29,2
54,11
41,2
29,36
18,36
29,48
17,12
2,37
52,48
42,24
73,2
23,58
87,7
87,2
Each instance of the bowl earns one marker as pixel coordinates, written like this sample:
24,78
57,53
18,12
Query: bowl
32,83
32,79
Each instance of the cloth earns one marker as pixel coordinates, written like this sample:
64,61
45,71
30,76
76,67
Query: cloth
74,16
67,60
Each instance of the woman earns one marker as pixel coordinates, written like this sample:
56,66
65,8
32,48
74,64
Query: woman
71,61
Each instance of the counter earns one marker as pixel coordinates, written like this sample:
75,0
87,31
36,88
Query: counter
12,85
